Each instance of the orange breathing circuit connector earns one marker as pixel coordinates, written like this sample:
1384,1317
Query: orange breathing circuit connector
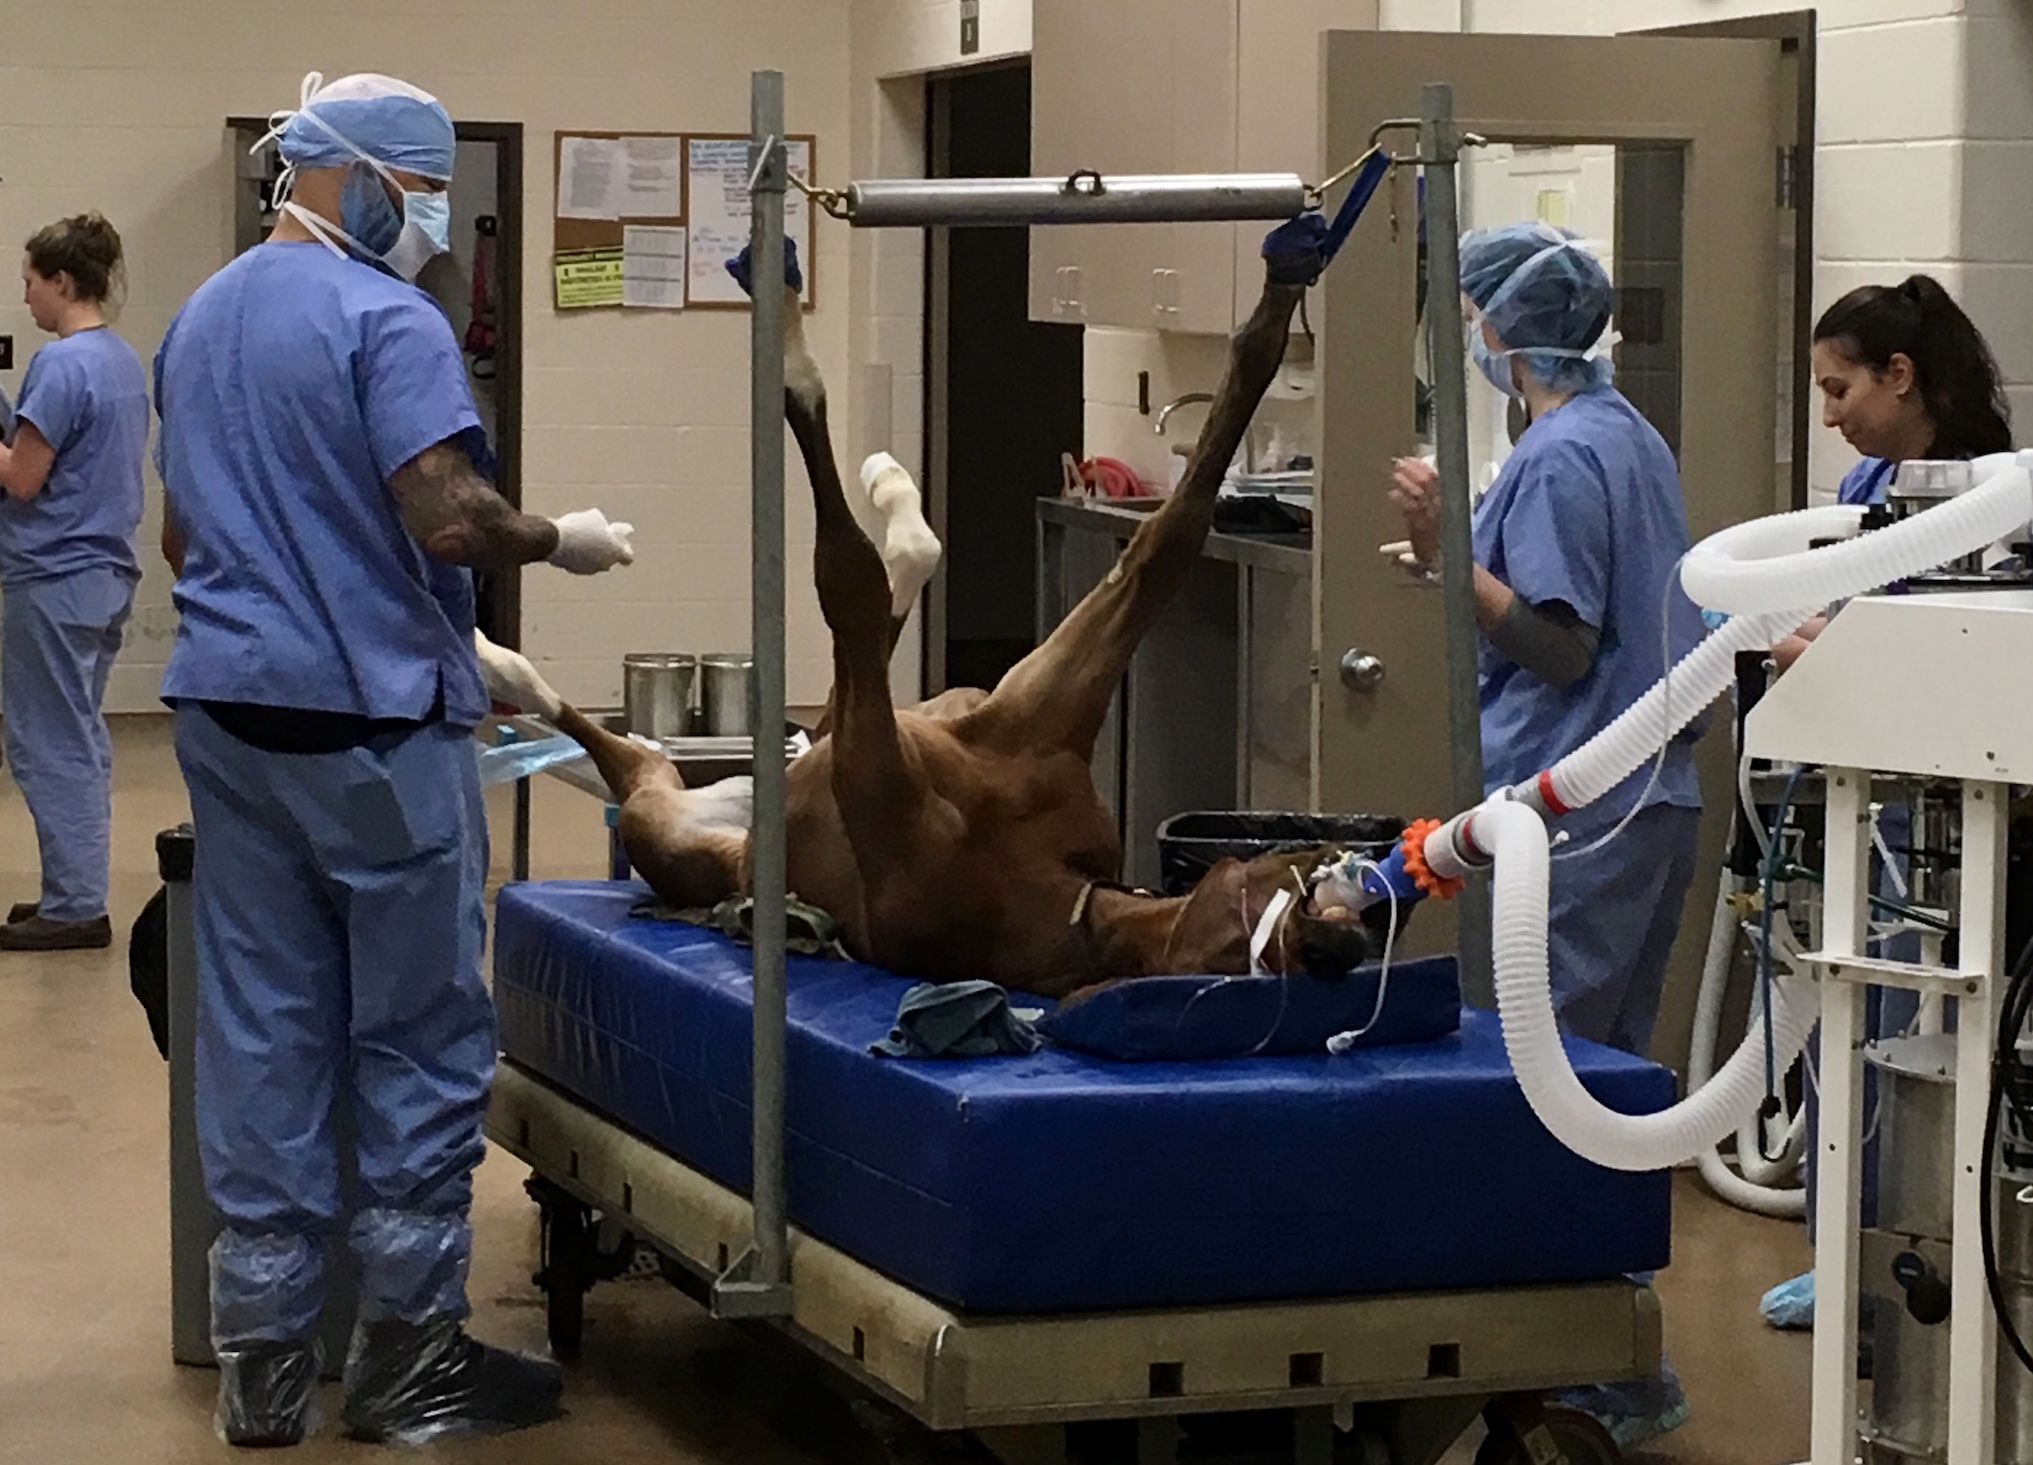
1413,843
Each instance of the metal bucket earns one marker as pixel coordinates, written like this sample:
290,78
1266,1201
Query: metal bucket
724,710
656,692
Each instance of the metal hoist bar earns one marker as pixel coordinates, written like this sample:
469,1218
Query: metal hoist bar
1084,197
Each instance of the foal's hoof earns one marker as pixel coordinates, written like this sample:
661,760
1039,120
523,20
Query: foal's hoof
1331,949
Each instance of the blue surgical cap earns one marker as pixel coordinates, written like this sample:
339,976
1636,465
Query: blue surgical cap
1538,286
384,119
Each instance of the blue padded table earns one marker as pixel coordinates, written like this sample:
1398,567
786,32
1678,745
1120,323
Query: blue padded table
1060,1183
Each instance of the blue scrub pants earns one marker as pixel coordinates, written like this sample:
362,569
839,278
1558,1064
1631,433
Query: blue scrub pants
1611,920
340,914
56,652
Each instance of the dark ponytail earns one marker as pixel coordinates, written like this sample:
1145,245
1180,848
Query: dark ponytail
1952,365
86,248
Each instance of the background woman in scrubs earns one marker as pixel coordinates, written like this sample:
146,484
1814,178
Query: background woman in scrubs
72,476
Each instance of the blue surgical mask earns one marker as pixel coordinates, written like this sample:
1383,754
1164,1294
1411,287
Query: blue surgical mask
1495,365
432,214
426,231
366,212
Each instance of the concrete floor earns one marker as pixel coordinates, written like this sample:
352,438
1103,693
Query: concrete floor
85,1373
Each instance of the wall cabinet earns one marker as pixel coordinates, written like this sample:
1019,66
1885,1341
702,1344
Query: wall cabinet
1170,86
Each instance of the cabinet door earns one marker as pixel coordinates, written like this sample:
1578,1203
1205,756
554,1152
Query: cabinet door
1277,106
1090,65
1196,289
1133,86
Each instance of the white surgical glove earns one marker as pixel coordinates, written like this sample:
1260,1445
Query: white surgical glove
588,543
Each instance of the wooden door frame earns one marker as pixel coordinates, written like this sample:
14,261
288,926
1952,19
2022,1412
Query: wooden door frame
1796,31
1364,743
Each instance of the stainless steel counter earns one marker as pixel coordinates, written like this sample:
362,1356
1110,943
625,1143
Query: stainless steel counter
1217,709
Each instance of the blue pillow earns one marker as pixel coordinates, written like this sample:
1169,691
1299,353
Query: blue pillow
1155,1019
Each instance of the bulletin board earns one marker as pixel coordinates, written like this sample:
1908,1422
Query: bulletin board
716,200
649,219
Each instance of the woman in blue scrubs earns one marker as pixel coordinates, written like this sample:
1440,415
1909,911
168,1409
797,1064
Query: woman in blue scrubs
72,475
1575,546
1904,375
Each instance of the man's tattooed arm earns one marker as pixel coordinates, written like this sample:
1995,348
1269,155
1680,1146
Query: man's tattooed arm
459,518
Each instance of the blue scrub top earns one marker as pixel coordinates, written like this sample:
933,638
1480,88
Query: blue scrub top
87,394
1587,511
291,387
1866,483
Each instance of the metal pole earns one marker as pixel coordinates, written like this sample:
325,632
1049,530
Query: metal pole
1439,148
758,1285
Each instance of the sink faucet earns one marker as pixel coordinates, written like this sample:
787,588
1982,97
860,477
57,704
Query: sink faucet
1165,412
1249,437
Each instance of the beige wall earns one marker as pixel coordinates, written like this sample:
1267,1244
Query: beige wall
643,414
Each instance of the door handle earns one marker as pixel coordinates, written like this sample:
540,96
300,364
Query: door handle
1360,671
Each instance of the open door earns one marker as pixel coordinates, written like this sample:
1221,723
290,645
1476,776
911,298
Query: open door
1667,145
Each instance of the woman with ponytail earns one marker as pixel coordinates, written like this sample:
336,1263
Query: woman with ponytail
1904,374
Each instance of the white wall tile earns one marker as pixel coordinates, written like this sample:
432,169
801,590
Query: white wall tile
1888,201
1997,201
1891,83
1999,298
2001,73
2021,398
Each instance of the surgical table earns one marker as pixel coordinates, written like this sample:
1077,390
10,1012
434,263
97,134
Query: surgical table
1387,1241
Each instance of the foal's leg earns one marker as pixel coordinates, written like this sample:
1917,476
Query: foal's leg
910,550
876,781
1058,696
688,843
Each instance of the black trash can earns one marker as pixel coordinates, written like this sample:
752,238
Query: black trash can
1189,845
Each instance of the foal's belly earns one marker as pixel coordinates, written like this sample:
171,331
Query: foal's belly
983,886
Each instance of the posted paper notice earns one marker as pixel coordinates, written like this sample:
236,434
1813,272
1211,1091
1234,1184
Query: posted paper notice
592,180
653,267
588,277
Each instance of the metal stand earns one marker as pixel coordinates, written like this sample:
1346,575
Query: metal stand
1440,143
758,1284
1846,974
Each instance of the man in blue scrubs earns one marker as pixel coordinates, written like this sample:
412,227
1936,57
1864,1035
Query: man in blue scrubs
325,519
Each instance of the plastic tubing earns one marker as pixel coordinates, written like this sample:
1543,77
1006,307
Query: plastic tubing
1753,1190
1701,676
1752,572
1532,1033
1765,565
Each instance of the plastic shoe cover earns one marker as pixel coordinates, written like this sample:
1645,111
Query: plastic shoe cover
267,1392
1634,1410
410,1383
1790,1305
